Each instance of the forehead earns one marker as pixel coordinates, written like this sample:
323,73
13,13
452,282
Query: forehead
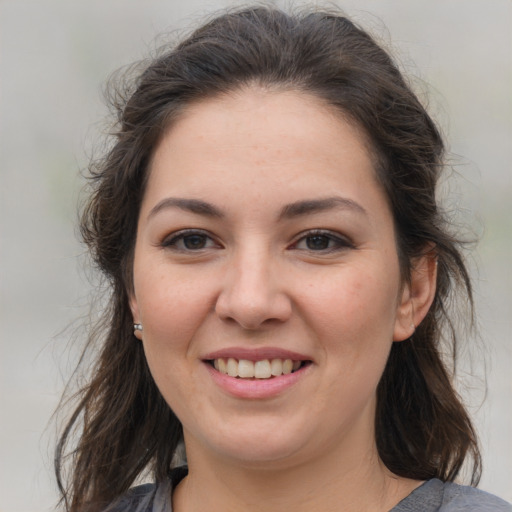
249,107
253,153
263,129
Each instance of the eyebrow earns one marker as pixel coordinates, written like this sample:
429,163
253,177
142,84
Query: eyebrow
289,211
320,205
190,205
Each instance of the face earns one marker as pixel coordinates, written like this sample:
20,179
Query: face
266,278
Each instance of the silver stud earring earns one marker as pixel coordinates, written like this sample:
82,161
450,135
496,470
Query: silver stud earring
137,327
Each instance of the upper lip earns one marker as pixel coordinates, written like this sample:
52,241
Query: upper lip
255,354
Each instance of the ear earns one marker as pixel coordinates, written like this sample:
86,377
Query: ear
417,296
134,307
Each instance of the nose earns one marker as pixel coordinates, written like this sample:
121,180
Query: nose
253,293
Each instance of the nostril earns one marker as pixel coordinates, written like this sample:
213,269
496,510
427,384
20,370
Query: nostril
274,308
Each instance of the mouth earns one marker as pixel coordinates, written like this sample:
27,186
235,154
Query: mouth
256,370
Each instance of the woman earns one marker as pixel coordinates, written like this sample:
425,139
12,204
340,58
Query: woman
281,275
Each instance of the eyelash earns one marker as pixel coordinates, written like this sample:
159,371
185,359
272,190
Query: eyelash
340,243
175,239
178,240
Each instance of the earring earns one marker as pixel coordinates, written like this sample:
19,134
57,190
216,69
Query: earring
137,327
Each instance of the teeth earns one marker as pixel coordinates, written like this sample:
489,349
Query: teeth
232,367
264,369
287,366
245,369
276,367
222,365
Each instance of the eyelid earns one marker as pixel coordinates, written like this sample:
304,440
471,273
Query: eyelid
170,241
343,242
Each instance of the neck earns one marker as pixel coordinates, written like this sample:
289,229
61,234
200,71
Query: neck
332,482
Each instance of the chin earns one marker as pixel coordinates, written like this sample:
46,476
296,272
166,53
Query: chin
257,446
263,457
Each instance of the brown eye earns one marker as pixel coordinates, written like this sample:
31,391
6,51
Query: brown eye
189,241
318,242
192,242
322,241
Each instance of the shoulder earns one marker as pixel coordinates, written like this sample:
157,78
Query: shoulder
149,497
460,497
136,499
436,496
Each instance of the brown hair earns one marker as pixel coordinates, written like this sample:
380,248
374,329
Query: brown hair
124,425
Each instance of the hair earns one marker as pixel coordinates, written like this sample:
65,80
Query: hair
124,427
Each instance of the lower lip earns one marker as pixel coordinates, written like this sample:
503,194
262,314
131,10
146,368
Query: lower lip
255,388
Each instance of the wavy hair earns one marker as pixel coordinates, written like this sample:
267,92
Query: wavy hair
121,426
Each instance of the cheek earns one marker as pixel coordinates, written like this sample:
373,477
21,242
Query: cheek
171,309
353,314
358,300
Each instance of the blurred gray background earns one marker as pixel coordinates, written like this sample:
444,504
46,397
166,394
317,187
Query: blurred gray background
54,57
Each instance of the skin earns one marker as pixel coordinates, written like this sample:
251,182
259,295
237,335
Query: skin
255,272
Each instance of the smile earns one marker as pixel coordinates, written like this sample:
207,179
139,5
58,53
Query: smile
261,369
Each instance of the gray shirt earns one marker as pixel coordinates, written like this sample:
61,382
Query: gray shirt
437,496
432,496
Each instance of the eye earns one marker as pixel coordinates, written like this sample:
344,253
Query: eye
189,240
321,241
